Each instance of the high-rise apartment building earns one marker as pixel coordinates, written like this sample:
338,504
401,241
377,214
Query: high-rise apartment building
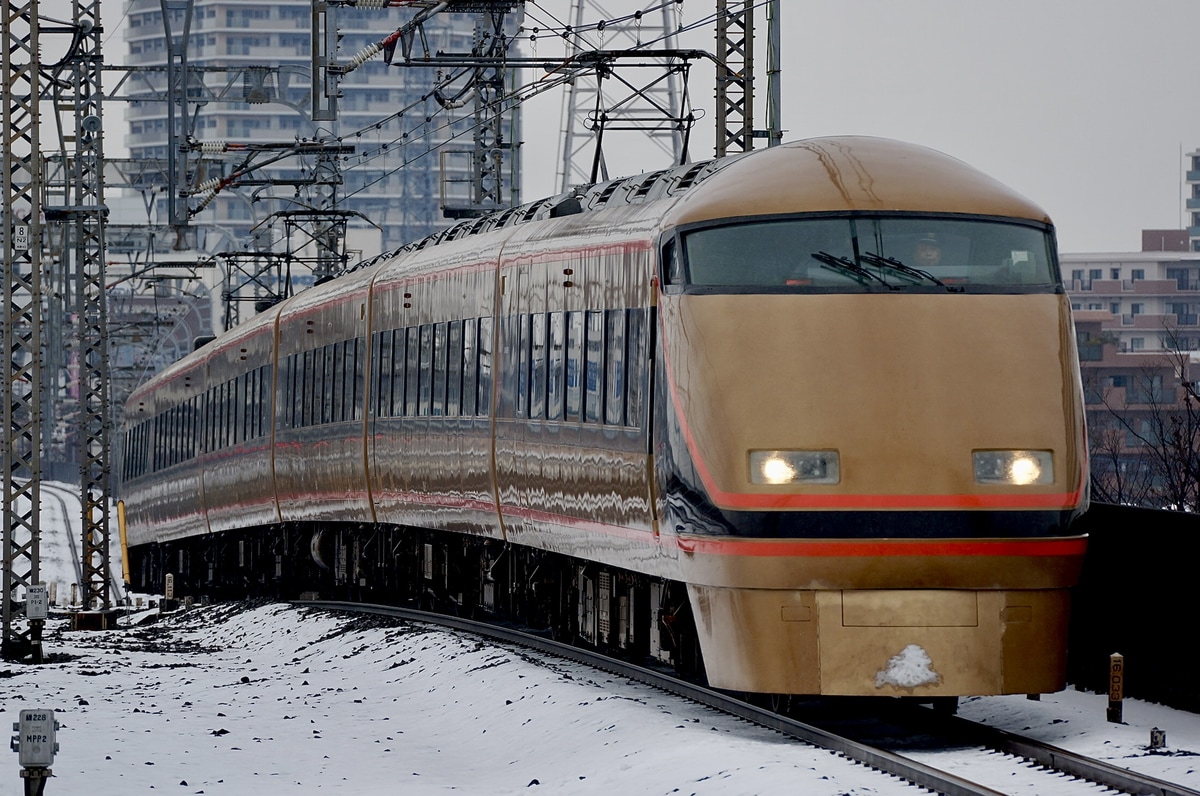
399,128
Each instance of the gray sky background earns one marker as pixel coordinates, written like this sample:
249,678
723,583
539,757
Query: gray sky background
1085,106
1082,105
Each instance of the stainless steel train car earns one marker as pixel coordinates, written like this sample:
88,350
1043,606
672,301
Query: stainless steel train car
804,421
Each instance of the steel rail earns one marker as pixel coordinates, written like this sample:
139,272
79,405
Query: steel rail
912,771
1050,757
1058,759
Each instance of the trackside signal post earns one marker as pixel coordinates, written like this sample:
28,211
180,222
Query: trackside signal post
36,744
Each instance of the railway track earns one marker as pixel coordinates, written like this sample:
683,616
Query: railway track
1036,768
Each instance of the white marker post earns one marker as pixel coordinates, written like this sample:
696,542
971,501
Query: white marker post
37,610
1116,686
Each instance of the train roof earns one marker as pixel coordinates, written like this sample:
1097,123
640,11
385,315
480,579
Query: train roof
833,174
847,174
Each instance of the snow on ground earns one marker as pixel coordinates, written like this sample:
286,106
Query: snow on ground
279,700
239,700
276,699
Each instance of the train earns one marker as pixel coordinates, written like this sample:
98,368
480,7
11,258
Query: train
800,421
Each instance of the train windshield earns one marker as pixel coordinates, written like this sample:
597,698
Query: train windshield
868,254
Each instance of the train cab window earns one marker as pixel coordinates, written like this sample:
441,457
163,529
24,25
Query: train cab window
673,273
871,253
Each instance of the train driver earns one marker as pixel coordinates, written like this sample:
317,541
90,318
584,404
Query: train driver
928,252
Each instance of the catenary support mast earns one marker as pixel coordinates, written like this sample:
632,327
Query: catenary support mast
21,317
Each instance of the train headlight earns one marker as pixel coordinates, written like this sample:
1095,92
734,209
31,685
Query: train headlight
1020,468
794,467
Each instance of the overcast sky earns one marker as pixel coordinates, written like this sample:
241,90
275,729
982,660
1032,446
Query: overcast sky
1082,105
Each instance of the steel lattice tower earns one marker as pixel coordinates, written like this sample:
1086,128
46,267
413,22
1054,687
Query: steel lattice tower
85,218
20,248
587,98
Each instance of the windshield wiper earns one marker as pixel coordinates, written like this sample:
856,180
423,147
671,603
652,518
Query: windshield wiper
856,271
915,273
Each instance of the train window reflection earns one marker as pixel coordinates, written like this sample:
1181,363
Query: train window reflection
875,253
470,366
486,345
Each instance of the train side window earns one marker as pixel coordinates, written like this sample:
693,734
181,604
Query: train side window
253,401
470,389
287,405
220,426
219,420
358,351
283,417
214,426
260,405
593,383
454,368
614,399
522,365
307,396
348,377
412,371
537,380
439,370
231,413
250,383
556,380
246,407
574,366
426,371
237,412
486,344
251,408
381,349
243,407
328,393
638,368
337,382
210,420
205,411
194,427
321,392
396,408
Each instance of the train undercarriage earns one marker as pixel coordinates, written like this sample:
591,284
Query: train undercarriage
625,614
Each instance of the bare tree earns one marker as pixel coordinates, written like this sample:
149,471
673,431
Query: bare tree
1145,448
